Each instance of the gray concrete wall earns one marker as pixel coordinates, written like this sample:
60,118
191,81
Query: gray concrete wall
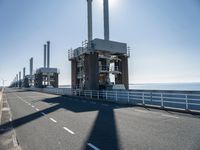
125,77
73,73
38,80
55,78
91,72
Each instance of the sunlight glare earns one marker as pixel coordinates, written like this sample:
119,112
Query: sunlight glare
112,3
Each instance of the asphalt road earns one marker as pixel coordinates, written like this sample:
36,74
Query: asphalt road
51,122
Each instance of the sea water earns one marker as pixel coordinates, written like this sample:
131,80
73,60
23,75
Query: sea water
160,86
167,86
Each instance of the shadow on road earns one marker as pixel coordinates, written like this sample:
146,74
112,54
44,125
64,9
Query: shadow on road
103,134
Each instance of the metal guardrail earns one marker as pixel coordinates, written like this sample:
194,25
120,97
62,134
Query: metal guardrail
184,100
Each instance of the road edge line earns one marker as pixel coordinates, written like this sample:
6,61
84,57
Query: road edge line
16,145
1,103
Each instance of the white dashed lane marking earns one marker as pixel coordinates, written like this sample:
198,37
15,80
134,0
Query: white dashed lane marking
53,120
68,130
37,109
92,146
43,113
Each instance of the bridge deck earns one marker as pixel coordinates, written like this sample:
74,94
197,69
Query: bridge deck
46,121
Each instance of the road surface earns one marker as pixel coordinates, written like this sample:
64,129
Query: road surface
51,122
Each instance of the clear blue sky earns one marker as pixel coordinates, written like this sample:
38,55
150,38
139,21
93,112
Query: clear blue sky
164,36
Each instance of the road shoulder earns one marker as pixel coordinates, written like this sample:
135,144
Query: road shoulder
8,140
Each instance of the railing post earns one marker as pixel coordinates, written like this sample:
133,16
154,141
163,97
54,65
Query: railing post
161,98
106,95
186,102
116,98
91,94
128,97
75,92
98,94
143,98
85,93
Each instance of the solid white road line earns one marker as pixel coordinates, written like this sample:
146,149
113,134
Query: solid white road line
92,146
53,120
171,116
68,130
155,113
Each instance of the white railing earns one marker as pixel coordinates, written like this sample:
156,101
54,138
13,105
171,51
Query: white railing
189,101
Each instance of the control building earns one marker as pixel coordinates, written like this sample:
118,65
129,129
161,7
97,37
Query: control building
46,76
99,64
28,80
